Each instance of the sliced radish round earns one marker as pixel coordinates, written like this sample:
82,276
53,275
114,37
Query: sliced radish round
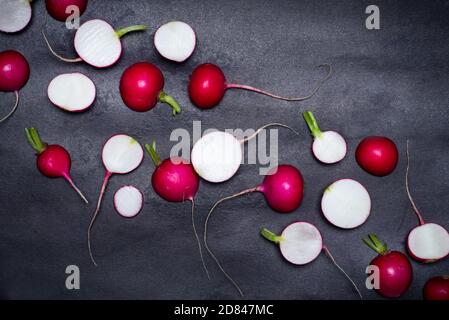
346,204
216,157
73,92
122,154
429,241
175,41
128,201
14,15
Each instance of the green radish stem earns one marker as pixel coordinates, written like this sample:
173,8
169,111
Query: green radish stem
374,243
312,123
35,140
270,236
151,149
121,32
165,98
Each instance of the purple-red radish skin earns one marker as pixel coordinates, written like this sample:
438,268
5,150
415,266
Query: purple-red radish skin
437,288
57,8
377,155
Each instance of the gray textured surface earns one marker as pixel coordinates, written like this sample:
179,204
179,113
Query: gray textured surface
389,82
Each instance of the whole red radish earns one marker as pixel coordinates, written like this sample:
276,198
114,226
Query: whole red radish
208,85
175,180
395,270
437,288
377,155
14,74
52,161
59,9
141,87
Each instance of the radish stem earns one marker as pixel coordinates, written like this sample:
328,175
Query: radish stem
415,208
13,108
311,122
165,98
151,149
374,243
121,32
35,140
270,236
266,126
198,239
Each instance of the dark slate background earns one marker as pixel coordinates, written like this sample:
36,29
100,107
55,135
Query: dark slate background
393,82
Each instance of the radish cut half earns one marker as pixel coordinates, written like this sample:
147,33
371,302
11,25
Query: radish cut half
429,241
346,204
128,201
122,154
14,15
175,41
73,92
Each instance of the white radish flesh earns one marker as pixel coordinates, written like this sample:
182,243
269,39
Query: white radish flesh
73,92
128,201
14,15
175,41
429,242
346,204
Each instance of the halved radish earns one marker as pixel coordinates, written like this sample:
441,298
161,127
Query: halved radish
73,92
301,243
428,242
14,15
97,43
175,41
121,154
346,204
328,146
128,201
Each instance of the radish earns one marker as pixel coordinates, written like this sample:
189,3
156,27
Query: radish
428,242
97,43
328,146
175,41
300,243
121,154
52,161
217,156
175,180
141,87
14,74
346,204
14,15
377,155
395,270
58,9
208,84
73,92
128,201
437,288
283,189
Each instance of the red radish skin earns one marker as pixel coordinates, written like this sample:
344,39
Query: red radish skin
57,8
208,85
14,74
175,180
53,161
437,288
377,155
141,88
395,269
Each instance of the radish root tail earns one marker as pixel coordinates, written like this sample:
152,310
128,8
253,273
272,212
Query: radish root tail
266,126
415,208
73,185
198,240
13,108
57,55
328,253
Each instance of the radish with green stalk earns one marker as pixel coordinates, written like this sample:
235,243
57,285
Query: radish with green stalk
128,201
300,243
283,190
346,204
217,156
428,242
328,146
52,160
174,180
175,41
97,43
121,154
15,15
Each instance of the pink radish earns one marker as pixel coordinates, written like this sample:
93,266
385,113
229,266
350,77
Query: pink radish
300,243
14,74
208,85
395,270
15,15
175,41
217,156
73,92
377,155
52,161
283,189
346,204
175,180
328,146
97,43
428,242
437,288
121,154
128,201
59,9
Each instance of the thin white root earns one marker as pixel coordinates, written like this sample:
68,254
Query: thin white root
13,108
415,208
73,185
198,240
266,126
57,55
